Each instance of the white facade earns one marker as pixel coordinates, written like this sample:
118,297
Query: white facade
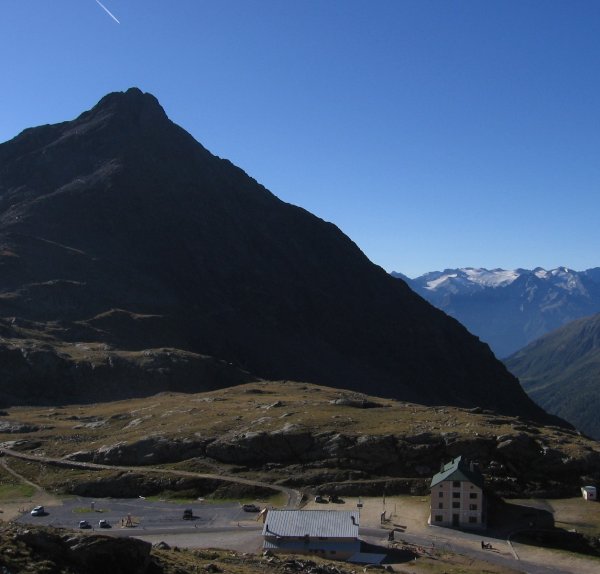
457,497
457,503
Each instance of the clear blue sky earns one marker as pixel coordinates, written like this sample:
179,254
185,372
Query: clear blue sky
435,134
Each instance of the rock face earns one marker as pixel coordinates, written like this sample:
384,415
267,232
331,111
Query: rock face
118,229
524,453
90,554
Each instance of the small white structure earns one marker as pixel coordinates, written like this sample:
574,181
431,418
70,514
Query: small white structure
589,493
328,533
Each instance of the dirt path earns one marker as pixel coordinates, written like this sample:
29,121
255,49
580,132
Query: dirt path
13,509
293,496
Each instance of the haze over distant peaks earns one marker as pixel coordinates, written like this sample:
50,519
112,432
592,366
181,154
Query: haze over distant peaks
510,308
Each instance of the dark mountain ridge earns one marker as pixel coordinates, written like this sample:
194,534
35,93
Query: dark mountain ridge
120,231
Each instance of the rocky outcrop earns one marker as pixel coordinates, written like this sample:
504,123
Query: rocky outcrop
151,450
521,454
41,374
93,554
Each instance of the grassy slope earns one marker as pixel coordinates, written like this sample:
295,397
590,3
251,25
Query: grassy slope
561,372
261,406
254,407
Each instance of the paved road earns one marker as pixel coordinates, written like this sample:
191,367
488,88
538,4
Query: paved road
469,545
142,514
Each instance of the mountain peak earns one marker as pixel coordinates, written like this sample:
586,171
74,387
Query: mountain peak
133,98
132,106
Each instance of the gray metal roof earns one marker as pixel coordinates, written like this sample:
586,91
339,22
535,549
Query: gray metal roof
314,523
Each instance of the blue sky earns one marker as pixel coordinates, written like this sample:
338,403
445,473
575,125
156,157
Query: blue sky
435,134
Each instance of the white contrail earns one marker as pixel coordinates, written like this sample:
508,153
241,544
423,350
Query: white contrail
107,11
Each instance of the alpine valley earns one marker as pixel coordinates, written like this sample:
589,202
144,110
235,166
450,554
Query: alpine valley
561,372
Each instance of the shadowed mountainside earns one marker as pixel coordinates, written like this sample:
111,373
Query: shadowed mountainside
561,372
120,233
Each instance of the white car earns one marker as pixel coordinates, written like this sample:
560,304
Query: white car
38,511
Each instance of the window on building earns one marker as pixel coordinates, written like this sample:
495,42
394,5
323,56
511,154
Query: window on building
456,495
441,505
456,484
439,518
472,507
456,505
473,519
441,494
472,495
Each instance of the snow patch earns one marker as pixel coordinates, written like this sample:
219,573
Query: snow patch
435,283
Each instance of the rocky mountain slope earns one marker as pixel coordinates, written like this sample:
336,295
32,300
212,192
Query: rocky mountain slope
290,434
561,372
510,308
120,235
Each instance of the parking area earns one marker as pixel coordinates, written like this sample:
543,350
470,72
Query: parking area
142,514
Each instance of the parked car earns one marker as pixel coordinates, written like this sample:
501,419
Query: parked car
320,499
188,514
38,511
84,524
103,523
250,508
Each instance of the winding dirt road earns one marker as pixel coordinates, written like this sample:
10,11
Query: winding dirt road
293,496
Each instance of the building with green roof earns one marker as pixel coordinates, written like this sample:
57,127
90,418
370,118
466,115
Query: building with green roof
457,497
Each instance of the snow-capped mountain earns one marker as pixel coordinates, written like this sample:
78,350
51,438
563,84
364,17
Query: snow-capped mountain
510,308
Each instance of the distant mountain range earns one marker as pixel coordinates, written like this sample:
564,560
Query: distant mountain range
561,372
510,308
134,261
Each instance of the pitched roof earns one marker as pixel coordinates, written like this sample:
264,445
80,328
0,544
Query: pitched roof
314,523
460,470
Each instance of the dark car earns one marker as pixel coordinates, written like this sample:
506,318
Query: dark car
250,508
84,524
104,523
188,514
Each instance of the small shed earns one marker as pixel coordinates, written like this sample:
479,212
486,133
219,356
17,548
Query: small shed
589,493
